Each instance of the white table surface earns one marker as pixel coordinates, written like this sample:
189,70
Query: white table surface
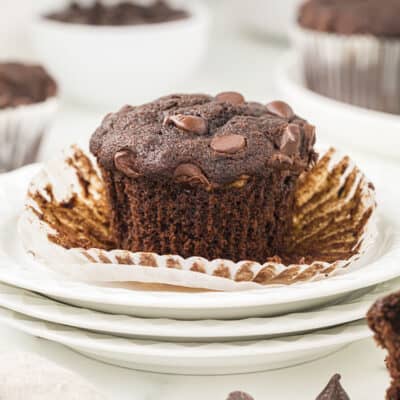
235,63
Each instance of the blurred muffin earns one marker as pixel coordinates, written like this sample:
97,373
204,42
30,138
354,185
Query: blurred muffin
350,51
27,103
197,175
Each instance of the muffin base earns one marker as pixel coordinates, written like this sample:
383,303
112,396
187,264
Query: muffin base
160,216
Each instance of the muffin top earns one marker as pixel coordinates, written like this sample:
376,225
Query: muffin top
199,138
124,13
375,17
22,84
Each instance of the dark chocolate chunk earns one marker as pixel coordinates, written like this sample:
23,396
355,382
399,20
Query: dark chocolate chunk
290,141
229,144
239,396
333,390
230,97
124,161
190,173
189,123
281,109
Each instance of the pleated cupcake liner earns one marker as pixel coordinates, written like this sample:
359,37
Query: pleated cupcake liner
21,132
362,70
66,226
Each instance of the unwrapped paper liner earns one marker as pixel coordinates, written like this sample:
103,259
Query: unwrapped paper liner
66,227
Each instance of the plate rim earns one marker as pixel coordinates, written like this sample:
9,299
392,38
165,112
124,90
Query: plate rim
65,289
73,337
40,307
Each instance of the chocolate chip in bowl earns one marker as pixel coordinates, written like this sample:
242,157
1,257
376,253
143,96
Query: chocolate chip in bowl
202,189
122,52
27,105
123,13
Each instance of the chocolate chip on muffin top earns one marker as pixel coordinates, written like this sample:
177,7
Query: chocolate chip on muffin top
22,84
379,18
203,139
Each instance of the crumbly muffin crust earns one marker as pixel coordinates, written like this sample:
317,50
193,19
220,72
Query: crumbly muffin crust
199,138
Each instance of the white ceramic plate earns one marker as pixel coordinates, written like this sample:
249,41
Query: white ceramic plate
338,122
17,269
193,358
351,309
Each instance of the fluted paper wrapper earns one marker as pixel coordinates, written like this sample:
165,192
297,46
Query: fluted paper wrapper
362,70
21,131
66,226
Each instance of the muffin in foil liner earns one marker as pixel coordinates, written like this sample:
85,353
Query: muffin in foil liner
362,70
66,226
21,132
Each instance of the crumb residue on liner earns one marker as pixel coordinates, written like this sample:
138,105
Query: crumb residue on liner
65,225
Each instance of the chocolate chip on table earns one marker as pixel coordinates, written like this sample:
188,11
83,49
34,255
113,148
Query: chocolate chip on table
228,144
124,161
333,390
190,173
239,396
189,123
289,142
281,109
230,97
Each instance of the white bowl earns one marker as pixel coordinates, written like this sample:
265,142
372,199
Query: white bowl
110,66
339,123
266,17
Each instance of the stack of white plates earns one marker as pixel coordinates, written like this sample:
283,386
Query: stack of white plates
193,333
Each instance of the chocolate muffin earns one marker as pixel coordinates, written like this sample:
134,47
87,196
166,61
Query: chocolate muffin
350,50
384,320
197,175
120,14
22,84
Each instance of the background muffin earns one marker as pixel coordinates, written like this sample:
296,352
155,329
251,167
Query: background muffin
27,103
350,51
206,176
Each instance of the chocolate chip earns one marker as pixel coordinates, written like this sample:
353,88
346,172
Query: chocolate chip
333,390
189,123
289,142
190,173
228,144
239,396
281,109
124,161
230,97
